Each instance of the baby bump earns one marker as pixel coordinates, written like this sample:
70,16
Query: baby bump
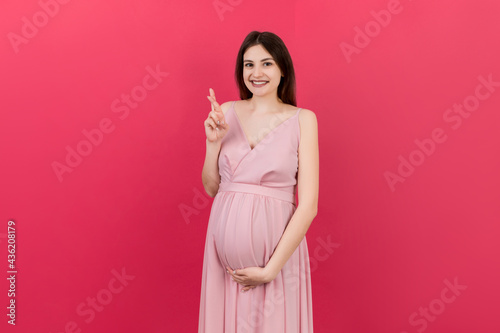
249,231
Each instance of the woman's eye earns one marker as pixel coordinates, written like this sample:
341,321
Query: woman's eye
248,65
268,63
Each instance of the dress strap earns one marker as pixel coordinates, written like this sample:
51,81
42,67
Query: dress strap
298,124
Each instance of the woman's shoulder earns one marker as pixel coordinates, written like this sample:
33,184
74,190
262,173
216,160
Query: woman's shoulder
307,118
294,109
306,113
226,106
303,114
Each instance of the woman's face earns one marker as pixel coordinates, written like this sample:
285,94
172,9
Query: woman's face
260,72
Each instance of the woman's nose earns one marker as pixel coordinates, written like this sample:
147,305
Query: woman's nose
257,71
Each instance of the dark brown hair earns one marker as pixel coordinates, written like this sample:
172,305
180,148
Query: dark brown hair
275,46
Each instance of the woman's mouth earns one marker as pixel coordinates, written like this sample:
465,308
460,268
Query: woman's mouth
259,83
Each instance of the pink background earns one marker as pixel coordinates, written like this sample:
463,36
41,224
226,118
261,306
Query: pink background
383,253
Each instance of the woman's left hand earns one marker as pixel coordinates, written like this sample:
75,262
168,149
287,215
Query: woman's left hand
251,277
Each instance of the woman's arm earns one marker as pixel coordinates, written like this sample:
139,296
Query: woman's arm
308,188
210,173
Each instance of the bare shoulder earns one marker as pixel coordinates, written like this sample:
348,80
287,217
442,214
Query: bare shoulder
226,106
308,120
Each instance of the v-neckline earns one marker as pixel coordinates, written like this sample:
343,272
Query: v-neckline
271,131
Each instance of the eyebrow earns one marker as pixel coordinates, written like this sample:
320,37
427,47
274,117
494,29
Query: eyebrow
261,60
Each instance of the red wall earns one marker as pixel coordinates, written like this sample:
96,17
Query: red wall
102,144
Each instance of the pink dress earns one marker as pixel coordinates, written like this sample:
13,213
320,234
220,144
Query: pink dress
255,201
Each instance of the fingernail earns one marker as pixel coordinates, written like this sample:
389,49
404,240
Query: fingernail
243,290
218,122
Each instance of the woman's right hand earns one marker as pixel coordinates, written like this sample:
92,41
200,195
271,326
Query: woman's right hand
215,125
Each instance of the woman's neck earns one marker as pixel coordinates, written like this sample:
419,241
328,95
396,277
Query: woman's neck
265,104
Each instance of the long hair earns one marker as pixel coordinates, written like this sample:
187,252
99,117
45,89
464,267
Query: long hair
275,46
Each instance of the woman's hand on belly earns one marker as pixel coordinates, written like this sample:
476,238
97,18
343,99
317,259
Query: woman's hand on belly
251,277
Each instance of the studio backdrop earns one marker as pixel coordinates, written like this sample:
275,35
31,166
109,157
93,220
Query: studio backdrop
103,214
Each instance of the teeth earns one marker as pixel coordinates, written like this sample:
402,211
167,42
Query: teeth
259,82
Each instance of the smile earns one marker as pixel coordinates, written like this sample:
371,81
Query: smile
259,83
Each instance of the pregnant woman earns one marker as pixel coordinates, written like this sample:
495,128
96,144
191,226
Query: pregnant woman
259,151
